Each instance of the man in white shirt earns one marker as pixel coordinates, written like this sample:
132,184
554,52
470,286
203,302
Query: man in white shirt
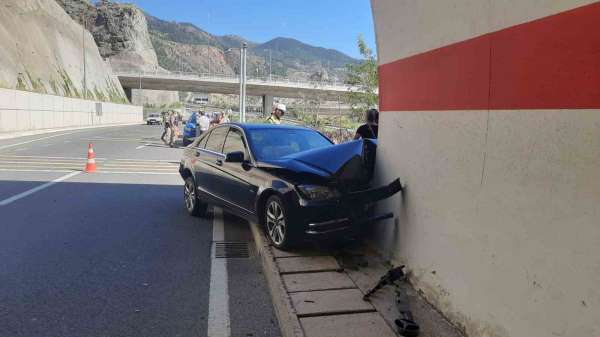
203,124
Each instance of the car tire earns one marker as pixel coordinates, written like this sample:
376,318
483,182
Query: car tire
278,228
193,204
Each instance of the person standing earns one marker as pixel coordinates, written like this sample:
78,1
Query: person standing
203,124
370,129
170,126
224,118
277,113
166,126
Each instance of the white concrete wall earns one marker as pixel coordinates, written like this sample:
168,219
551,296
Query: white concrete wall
500,222
27,111
504,238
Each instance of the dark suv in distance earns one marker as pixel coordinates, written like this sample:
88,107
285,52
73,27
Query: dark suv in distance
292,180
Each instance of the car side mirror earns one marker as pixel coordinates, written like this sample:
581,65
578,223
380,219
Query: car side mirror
235,157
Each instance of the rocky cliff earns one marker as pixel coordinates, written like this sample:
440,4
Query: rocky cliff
43,50
121,34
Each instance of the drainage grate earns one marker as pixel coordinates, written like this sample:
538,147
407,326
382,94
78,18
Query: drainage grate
231,250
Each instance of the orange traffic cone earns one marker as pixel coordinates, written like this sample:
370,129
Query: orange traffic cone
90,167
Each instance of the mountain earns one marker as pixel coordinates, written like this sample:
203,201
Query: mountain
184,33
294,51
289,57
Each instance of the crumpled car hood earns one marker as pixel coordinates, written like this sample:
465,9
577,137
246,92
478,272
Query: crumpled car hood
348,162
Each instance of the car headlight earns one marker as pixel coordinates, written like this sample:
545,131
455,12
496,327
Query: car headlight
316,192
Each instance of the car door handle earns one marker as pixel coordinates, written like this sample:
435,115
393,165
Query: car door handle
219,162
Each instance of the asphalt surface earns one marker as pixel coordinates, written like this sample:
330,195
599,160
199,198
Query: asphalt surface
113,253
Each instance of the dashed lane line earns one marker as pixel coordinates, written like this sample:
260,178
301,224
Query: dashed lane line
36,189
35,140
218,298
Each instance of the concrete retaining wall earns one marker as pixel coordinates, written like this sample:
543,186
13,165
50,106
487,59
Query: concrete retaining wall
27,111
491,116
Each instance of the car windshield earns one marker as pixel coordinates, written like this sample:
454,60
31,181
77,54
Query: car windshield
272,144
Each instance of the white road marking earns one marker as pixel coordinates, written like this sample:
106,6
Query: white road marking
97,172
34,170
141,147
35,140
40,162
218,299
138,172
37,189
21,149
148,165
148,160
42,157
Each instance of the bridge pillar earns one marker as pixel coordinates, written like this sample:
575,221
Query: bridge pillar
267,104
128,94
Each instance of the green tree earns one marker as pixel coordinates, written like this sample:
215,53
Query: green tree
363,81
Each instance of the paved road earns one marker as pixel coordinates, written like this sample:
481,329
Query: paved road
114,253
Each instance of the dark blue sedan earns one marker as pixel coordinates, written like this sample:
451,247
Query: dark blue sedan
292,180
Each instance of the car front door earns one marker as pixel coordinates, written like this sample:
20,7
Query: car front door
209,159
238,178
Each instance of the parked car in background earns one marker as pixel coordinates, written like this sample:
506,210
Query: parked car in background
189,129
153,118
292,180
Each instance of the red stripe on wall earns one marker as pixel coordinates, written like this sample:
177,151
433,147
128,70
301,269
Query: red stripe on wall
551,63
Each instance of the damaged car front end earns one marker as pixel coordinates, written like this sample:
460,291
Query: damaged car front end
333,188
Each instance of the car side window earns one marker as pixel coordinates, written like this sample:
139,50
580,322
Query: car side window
216,139
234,142
201,142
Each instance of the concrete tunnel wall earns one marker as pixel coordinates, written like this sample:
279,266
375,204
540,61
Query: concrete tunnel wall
490,115
28,111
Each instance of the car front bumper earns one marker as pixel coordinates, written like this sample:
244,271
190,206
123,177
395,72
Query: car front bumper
351,212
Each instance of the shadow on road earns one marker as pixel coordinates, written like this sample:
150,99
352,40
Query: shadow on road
83,259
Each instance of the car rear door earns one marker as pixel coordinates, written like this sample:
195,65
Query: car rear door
237,178
209,156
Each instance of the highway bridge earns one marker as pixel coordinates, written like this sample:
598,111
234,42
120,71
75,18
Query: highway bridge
267,87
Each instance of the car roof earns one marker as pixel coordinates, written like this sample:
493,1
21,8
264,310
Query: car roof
269,126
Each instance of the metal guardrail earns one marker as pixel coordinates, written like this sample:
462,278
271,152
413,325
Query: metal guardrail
264,80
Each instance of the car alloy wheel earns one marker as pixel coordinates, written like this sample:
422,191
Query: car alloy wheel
193,203
189,193
276,226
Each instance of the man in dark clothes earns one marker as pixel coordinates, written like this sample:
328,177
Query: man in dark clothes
370,129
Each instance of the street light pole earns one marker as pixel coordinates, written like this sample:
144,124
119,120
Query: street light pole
84,26
243,83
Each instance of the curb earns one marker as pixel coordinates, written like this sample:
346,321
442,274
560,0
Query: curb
286,315
10,135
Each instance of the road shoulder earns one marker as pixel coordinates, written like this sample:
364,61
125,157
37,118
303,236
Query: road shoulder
318,293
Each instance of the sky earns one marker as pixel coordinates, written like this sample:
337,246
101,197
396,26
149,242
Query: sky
325,23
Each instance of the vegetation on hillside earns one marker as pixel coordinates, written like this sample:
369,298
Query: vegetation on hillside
65,87
363,79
